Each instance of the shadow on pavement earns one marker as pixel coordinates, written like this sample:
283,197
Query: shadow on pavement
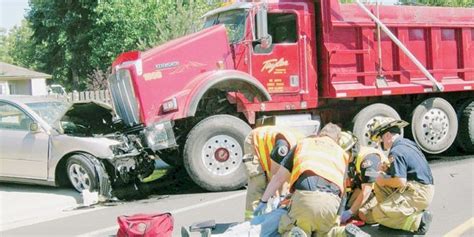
175,181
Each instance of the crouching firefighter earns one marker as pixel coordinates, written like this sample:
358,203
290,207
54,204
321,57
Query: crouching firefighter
264,149
365,163
405,193
316,168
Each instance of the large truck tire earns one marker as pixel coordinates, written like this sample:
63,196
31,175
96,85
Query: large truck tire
434,125
367,116
465,137
213,153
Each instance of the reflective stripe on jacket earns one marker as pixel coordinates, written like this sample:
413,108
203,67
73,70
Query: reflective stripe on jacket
264,141
364,151
323,157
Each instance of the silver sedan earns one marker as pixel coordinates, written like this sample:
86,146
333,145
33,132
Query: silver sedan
50,141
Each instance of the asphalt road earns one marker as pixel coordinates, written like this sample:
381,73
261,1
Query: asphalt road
45,211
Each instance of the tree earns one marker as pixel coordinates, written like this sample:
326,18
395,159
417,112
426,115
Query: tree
446,3
4,57
62,27
81,38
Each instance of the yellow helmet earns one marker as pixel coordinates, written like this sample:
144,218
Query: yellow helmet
347,140
381,125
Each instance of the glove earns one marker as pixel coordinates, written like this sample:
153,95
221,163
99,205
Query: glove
276,202
260,210
346,215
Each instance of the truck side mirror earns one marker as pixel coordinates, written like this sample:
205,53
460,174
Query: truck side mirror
262,28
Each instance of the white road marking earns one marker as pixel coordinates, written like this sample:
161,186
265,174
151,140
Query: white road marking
104,231
460,229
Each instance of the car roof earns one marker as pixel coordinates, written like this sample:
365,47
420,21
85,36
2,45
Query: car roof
25,99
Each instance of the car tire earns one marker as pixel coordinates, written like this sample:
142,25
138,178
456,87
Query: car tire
434,125
85,172
364,118
213,153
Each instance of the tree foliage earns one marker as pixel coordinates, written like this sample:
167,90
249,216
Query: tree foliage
20,49
78,40
439,3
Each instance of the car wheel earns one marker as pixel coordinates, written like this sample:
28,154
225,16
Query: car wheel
434,125
367,116
213,153
87,173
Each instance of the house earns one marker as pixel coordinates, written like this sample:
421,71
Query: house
16,80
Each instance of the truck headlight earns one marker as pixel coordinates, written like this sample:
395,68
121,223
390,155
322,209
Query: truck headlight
160,136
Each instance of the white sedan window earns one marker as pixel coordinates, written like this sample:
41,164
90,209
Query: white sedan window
13,118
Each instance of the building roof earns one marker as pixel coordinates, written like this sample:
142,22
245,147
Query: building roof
12,72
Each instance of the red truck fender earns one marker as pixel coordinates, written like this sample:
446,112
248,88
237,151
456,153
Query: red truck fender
228,80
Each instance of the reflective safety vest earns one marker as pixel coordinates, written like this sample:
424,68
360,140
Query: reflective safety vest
264,139
323,157
364,151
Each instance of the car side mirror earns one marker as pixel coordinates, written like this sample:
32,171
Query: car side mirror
34,127
262,28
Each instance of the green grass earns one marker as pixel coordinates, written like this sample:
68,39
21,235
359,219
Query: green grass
155,175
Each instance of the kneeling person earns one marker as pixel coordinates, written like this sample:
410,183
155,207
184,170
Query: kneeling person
264,149
316,168
365,165
404,196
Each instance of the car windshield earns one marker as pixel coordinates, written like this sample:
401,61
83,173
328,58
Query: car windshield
49,111
234,22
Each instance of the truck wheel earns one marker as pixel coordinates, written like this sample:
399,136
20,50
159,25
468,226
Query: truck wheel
213,153
434,125
83,173
367,116
465,137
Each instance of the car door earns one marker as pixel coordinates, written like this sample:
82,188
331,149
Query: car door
24,154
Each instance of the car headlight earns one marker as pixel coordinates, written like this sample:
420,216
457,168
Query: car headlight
160,136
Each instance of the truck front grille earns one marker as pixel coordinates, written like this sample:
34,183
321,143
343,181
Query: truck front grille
123,97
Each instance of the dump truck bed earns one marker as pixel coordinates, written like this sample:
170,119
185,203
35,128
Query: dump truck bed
442,39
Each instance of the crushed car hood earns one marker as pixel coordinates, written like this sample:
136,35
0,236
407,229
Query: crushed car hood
87,119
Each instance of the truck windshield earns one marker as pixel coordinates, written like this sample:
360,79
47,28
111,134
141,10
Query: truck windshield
234,22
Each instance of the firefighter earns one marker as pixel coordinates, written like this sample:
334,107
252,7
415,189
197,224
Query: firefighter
364,165
316,168
264,149
405,193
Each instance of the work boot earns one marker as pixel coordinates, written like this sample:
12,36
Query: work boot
297,232
425,223
354,231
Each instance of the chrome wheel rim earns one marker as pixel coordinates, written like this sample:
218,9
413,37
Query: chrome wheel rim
79,177
435,126
221,155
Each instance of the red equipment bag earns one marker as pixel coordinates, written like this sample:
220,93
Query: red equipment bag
145,225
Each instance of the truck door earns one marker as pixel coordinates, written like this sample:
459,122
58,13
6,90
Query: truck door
277,67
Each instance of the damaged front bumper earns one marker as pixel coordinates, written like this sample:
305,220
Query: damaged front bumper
130,161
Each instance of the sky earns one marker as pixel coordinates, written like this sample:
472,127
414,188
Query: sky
13,11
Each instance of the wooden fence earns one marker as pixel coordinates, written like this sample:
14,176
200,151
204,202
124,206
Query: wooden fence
99,95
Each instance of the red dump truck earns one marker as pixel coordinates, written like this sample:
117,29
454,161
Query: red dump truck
192,101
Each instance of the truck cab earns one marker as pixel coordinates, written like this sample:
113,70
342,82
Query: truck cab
194,99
